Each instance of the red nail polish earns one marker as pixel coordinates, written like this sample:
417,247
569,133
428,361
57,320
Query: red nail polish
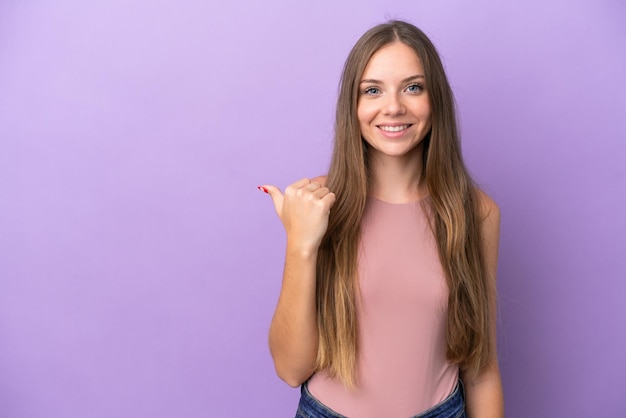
263,189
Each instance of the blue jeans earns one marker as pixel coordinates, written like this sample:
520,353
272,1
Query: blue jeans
452,407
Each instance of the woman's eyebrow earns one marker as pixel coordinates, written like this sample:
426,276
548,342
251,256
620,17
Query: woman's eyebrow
411,78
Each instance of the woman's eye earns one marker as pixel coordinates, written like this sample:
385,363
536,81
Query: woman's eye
414,88
371,91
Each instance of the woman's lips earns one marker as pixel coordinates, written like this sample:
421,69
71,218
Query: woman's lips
394,131
394,128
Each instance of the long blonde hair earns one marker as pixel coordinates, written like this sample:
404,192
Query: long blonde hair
453,202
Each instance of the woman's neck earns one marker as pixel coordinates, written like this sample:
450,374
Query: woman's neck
397,179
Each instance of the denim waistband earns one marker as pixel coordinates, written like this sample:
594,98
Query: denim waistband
451,407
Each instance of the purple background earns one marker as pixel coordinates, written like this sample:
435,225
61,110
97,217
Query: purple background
139,265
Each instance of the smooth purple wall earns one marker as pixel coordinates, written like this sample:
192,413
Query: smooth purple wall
139,265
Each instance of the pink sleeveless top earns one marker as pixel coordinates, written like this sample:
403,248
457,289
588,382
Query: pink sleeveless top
402,368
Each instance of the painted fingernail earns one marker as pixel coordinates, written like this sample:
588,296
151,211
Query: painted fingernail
263,189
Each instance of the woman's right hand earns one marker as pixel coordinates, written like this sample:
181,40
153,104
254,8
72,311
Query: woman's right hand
303,209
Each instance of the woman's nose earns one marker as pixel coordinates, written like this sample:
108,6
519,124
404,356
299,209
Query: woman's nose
394,105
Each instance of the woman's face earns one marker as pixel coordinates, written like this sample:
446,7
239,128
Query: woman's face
393,106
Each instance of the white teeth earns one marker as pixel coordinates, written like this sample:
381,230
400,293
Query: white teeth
393,128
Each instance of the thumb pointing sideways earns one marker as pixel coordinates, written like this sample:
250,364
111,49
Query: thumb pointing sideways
276,195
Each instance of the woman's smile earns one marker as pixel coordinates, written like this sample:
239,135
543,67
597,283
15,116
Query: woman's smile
394,128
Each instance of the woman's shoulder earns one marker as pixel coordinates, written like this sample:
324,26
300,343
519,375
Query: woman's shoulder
487,207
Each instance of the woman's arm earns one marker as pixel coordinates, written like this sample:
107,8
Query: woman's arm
484,395
293,336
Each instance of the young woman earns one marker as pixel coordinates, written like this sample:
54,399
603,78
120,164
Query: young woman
387,306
